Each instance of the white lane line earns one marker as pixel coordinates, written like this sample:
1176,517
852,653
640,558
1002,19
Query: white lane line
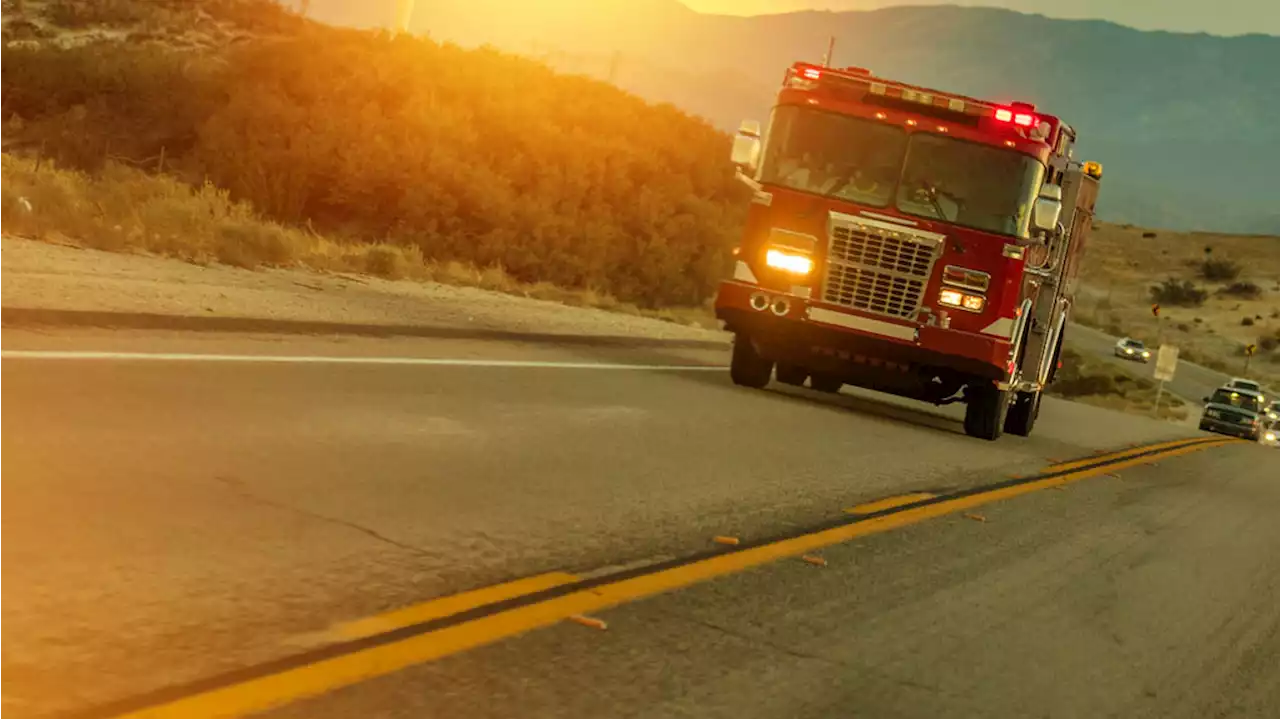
303,359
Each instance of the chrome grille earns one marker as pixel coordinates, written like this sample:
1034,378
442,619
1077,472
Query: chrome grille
877,269
872,291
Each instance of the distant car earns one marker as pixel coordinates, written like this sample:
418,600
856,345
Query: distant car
1244,384
1131,349
1233,411
1270,435
1272,412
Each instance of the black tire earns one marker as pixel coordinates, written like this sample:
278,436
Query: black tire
791,374
825,383
747,368
1023,411
985,413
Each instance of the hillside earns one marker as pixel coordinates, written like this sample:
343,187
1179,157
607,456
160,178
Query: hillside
1182,122
454,155
1233,17
1240,304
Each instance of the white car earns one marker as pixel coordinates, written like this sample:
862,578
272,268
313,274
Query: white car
1131,349
1270,435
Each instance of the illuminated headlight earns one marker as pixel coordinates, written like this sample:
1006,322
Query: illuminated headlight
956,298
796,263
1128,351
1269,437
1146,355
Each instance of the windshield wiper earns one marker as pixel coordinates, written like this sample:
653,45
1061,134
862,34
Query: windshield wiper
933,193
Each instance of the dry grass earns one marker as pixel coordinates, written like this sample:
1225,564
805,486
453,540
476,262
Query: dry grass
126,210
176,23
1097,382
1121,266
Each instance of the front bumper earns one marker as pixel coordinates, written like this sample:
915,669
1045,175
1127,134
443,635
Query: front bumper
1133,357
1232,429
809,325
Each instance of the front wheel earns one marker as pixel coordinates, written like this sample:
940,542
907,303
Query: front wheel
985,413
1023,412
747,368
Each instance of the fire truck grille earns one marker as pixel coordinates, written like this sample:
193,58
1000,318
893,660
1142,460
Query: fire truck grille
872,291
883,272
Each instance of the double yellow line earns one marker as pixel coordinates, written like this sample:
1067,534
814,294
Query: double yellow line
388,643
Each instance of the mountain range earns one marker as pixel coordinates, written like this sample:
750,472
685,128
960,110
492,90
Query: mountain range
1187,126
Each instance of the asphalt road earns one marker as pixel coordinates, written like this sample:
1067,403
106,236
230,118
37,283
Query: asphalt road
166,521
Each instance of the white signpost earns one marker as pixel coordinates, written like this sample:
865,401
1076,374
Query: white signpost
1166,366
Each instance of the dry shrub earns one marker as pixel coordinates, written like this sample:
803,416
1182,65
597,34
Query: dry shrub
125,209
392,261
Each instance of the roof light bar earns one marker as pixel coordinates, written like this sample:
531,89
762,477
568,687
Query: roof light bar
1021,119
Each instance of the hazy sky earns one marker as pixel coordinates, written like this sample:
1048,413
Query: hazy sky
1219,17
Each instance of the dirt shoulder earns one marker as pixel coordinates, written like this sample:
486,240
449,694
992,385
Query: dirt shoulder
40,275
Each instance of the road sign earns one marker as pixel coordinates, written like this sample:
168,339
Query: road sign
1155,310
1250,349
1166,362
1166,365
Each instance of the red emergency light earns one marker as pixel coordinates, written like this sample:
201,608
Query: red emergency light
1021,119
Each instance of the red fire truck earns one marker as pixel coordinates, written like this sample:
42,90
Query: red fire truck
907,240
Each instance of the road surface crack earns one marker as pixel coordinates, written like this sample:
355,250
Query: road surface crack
237,487
754,639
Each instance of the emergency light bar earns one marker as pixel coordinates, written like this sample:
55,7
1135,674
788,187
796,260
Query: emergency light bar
1021,119
810,77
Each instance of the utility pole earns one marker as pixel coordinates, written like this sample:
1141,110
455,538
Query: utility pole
403,14
613,65
831,47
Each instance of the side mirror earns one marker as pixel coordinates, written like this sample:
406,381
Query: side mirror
1047,210
1204,400
746,146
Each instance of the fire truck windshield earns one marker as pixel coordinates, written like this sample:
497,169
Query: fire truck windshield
970,184
834,155
923,174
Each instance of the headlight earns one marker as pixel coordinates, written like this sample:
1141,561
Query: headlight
1212,413
1128,351
796,263
1269,436
956,298
1146,354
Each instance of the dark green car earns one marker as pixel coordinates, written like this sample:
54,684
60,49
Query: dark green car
1235,412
